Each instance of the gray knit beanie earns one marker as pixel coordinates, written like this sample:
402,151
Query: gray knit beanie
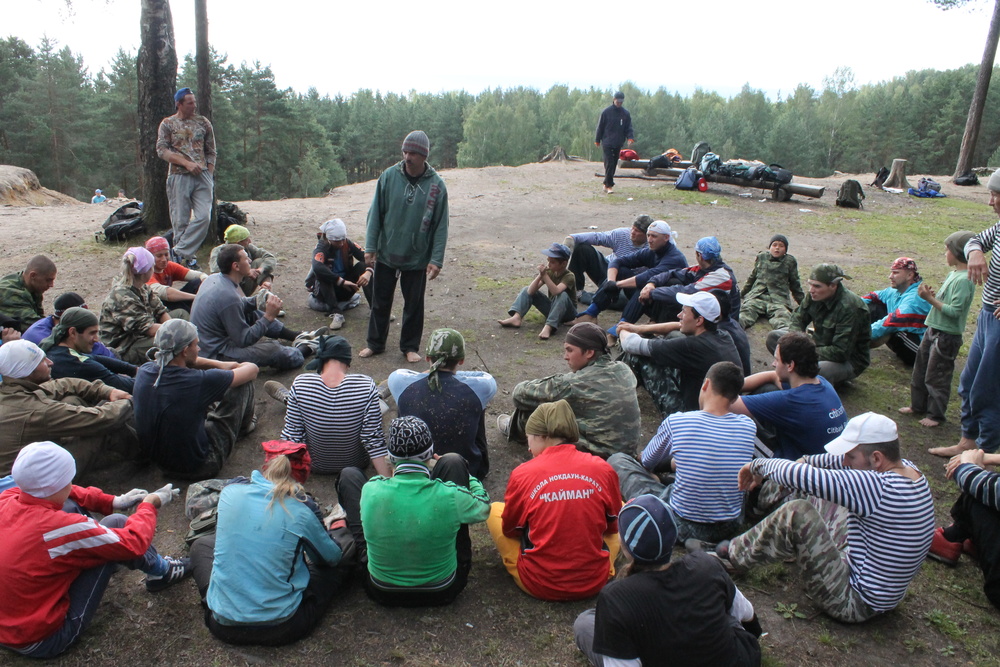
417,142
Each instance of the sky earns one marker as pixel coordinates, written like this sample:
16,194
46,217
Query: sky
394,46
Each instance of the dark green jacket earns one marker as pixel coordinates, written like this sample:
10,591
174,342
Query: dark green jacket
842,327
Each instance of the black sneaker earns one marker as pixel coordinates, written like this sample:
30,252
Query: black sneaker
177,569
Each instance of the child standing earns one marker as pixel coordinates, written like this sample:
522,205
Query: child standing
766,293
560,305
930,386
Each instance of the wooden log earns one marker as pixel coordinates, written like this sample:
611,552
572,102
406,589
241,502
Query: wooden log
779,192
897,176
643,164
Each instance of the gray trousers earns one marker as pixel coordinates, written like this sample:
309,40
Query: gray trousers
933,369
190,200
556,311
267,351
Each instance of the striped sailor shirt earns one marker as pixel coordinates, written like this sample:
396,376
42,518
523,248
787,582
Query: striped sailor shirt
709,451
982,485
890,520
984,241
342,425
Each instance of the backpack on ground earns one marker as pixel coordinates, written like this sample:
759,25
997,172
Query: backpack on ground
227,214
627,154
968,178
850,194
928,184
710,163
775,173
699,151
880,177
688,180
123,224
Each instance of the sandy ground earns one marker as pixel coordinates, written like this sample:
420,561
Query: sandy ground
500,220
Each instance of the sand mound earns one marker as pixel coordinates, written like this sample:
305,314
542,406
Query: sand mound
20,187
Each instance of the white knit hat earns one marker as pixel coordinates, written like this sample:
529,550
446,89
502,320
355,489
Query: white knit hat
43,468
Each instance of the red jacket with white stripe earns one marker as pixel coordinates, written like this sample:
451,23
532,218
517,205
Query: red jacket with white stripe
44,549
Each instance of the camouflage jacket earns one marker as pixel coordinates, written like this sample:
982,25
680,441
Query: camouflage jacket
774,278
193,138
32,412
842,327
268,262
603,399
127,313
16,301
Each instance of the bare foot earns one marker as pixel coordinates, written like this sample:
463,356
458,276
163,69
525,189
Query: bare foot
546,332
512,322
929,423
365,353
906,411
954,450
413,357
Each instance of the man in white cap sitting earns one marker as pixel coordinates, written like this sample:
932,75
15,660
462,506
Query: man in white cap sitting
338,273
89,418
864,530
672,369
56,561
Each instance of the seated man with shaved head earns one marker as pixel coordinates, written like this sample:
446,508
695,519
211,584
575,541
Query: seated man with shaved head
21,293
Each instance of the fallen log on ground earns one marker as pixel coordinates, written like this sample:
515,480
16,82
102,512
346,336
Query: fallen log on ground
779,191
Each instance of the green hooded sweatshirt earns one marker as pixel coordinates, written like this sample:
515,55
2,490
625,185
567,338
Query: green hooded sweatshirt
408,224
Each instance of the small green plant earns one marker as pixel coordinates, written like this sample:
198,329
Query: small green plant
948,651
944,623
914,645
789,611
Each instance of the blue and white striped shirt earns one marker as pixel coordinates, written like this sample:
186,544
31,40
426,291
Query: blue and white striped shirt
890,520
619,240
985,241
709,451
982,485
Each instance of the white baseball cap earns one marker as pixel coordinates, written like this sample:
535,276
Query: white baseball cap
704,302
867,429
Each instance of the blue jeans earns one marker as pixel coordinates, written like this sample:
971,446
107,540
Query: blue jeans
556,311
979,384
85,594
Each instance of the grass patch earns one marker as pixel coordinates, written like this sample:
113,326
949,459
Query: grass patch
766,576
486,284
944,624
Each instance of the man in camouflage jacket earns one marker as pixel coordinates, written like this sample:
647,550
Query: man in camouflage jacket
841,325
600,391
21,293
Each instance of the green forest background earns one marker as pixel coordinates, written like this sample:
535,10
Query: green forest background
79,131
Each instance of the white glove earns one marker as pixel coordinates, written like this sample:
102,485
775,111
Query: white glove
130,499
167,494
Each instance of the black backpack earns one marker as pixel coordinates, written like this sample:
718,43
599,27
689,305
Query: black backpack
228,214
123,224
776,174
968,178
880,177
850,194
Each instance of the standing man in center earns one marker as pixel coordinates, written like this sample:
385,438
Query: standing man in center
613,129
407,233
187,141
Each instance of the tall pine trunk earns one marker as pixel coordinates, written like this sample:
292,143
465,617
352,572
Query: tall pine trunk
157,66
971,136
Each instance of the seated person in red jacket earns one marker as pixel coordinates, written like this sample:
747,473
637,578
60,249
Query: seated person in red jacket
557,527
56,561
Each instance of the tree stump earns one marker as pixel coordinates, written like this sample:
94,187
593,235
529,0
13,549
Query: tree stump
559,155
897,176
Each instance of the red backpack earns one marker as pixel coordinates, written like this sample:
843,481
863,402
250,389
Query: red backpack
628,154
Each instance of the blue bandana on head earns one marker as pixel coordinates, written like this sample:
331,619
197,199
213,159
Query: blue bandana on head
708,247
179,95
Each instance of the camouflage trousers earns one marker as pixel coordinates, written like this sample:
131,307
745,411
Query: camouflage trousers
933,369
662,382
777,311
799,530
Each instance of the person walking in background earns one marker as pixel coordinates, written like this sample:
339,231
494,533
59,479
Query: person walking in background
613,130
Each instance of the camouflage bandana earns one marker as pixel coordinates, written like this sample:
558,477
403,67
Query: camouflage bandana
828,273
77,318
171,339
444,345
